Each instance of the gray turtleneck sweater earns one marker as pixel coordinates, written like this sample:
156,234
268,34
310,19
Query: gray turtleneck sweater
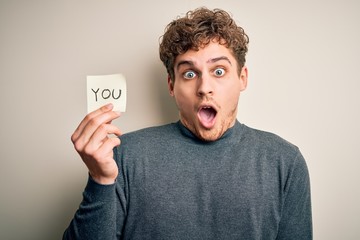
249,184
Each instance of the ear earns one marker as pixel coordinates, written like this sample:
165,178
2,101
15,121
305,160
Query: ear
170,86
243,78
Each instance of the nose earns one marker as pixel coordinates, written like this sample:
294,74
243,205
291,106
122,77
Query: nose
205,86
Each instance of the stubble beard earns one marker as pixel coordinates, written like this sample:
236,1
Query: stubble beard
215,133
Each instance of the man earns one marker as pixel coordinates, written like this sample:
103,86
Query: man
206,176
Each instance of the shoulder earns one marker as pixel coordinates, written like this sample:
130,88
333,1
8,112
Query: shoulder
268,143
275,151
149,138
143,140
149,132
266,138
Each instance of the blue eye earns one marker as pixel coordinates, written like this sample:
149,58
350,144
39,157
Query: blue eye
189,75
219,72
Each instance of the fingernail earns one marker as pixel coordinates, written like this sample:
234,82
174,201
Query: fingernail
109,106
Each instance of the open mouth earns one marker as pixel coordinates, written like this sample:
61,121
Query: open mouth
207,115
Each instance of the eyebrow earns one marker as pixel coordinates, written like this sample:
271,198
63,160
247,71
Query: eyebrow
185,62
212,60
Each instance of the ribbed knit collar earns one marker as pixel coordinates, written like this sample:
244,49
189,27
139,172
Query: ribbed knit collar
228,135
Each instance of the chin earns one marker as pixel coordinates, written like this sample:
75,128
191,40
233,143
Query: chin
205,134
215,132
209,135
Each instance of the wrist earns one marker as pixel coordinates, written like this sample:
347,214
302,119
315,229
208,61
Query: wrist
102,180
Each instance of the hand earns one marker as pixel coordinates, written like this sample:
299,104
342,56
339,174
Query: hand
91,140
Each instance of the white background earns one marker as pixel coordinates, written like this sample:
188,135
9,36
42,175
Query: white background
303,85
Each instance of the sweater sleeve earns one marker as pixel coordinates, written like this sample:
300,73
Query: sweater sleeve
103,210
96,216
296,219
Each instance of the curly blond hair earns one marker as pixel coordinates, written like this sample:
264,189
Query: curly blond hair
196,29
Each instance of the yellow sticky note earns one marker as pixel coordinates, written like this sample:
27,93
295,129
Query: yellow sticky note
104,89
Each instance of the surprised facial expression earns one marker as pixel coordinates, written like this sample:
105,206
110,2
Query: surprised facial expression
206,89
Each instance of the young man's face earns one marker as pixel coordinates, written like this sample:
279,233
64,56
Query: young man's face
206,89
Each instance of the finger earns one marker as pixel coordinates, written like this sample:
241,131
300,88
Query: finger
92,126
88,117
99,121
105,153
101,135
102,164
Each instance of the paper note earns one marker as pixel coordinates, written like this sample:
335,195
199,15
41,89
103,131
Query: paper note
104,89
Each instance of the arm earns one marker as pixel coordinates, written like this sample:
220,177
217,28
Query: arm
96,216
296,219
